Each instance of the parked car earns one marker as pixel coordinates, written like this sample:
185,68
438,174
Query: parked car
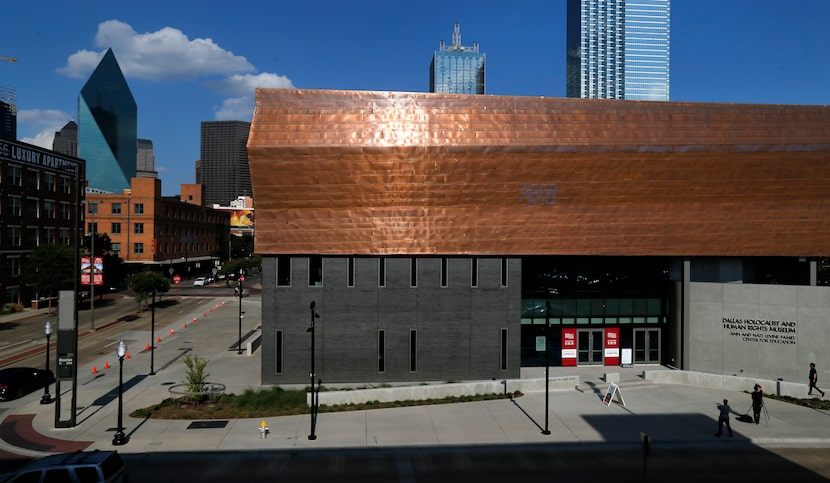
16,382
81,467
210,279
199,281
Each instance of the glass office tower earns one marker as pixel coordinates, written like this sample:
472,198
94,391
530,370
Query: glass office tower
457,69
618,49
223,167
107,125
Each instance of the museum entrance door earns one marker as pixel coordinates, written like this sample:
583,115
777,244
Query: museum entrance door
646,346
589,346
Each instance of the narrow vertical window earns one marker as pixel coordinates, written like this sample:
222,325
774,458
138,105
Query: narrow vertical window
503,349
444,272
350,281
283,271
413,272
474,272
413,350
279,352
381,350
315,271
504,272
381,272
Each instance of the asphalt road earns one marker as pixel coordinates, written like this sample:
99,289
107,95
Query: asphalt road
22,343
482,464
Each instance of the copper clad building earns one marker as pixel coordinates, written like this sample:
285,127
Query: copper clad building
430,228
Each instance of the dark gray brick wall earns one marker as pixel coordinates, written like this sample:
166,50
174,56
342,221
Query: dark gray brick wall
458,326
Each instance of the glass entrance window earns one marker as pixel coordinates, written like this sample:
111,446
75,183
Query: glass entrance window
647,346
589,346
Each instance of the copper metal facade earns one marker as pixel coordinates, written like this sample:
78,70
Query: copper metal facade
386,173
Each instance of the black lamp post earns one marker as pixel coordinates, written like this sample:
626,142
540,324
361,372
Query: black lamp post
241,279
47,398
314,394
120,438
546,431
152,333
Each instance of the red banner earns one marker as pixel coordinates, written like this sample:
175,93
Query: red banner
569,347
612,346
96,269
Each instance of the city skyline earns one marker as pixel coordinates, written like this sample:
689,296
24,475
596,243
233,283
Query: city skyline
183,70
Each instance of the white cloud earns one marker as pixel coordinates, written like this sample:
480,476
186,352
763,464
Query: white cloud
246,84
243,88
45,122
164,55
236,109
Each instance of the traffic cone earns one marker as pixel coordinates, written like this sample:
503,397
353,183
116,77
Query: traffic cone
223,303
94,369
204,314
217,307
107,365
172,332
128,355
147,348
211,310
194,320
159,339
185,324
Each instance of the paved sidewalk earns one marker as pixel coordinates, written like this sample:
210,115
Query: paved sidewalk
670,414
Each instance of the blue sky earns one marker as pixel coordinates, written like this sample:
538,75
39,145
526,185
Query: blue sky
192,61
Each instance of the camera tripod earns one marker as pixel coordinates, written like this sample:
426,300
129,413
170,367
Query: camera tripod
763,409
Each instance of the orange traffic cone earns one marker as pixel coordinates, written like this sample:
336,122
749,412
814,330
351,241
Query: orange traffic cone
223,303
147,348
211,309
94,369
172,332
217,307
107,365
204,314
159,339
128,355
194,320
185,324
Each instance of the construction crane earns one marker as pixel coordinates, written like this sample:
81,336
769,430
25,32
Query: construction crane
8,59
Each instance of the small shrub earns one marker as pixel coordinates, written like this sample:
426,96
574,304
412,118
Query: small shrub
196,377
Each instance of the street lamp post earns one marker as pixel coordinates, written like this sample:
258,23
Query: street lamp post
153,332
546,431
92,209
47,398
240,279
120,438
314,394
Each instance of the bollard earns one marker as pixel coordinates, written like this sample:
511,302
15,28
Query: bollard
263,430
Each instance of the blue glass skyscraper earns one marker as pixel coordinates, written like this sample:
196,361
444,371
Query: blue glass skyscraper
107,127
618,49
457,69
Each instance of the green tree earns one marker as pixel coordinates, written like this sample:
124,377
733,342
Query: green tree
50,268
143,284
196,377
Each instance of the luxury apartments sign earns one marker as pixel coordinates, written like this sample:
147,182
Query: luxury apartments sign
35,156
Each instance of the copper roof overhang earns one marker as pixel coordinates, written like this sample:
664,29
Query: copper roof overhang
368,173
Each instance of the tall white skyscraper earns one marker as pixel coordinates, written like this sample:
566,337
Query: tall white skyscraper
618,49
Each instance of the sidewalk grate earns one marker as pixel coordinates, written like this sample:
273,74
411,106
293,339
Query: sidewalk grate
207,424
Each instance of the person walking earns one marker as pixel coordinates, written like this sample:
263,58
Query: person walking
757,402
723,418
813,379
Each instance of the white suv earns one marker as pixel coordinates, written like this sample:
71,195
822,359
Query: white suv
80,467
199,281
